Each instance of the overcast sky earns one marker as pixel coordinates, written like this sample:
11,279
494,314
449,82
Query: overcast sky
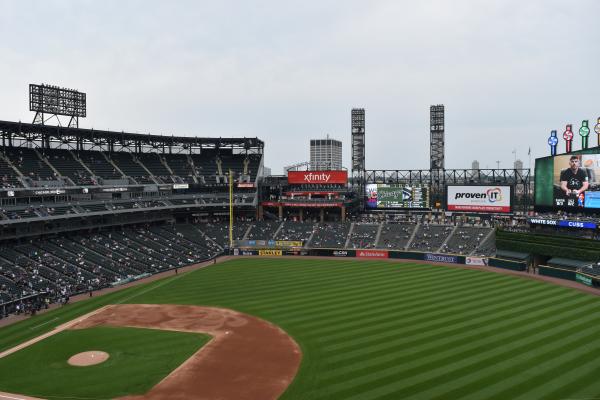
507,71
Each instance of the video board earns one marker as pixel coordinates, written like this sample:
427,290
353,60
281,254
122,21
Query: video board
479,199
568,181
380,195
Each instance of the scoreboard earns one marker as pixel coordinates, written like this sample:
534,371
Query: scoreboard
380,195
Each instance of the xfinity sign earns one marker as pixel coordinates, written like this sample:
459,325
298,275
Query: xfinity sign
493,199
318,177
322,177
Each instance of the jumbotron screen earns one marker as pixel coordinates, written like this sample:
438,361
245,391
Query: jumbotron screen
568,181
380,195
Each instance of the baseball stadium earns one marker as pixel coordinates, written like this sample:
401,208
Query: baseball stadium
139,266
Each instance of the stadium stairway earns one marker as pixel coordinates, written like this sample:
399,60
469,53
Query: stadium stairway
447,239
278,230
412,237
378,235
347,242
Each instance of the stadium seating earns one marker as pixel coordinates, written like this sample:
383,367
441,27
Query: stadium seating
295,231
465,240
30,165
8,177
363,236
181,165
98,164
263,230
430,237
395,235
330,235
153,163
130,167
67,165
219,231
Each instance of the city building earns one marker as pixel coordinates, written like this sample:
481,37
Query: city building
325,154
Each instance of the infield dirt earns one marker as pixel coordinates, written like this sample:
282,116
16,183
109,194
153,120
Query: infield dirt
248,358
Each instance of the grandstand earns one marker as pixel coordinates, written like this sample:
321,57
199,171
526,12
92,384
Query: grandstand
82,209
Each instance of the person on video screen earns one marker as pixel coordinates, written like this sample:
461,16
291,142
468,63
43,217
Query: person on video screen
574,180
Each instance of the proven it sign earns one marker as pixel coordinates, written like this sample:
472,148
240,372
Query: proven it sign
318,177
494,199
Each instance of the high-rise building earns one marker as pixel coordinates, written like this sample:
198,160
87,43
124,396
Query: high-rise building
475,164
325,154
518,164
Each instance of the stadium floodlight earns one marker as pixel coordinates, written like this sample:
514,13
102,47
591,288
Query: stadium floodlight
54,101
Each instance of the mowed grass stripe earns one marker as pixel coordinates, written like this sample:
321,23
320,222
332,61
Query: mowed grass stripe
419,309
415,336
356,305
568,356
363,298
531,373
430,353
388,294
264,284
438,372
293,287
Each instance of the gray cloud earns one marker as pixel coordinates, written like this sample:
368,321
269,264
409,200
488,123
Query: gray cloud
507,71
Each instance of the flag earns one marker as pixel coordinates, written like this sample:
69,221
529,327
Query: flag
529,152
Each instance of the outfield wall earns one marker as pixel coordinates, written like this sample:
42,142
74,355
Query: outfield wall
383,254
570,275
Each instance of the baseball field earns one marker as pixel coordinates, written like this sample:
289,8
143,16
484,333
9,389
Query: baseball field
365,330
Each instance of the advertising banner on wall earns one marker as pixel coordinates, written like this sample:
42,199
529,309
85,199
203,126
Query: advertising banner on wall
586,280
493,199
318,177
372,254
443,258
268,252
476,261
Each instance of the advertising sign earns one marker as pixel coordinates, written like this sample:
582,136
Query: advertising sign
586,280
495,199
269,252
443,258
476,261
340,253
318,177
380,195
372,253
288,243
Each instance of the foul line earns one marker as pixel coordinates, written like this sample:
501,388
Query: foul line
42,324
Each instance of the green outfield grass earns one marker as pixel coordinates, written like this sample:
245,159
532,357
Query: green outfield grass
139,359
380,330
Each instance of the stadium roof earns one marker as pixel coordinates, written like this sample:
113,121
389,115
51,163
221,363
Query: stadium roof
46,134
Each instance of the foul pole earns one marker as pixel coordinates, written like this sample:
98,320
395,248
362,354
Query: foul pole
230,209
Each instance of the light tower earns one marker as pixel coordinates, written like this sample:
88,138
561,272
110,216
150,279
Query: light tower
436,150
436,144
358,152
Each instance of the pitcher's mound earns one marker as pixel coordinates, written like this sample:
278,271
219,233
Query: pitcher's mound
88,358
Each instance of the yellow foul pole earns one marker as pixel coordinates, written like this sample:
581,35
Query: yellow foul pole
230,209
